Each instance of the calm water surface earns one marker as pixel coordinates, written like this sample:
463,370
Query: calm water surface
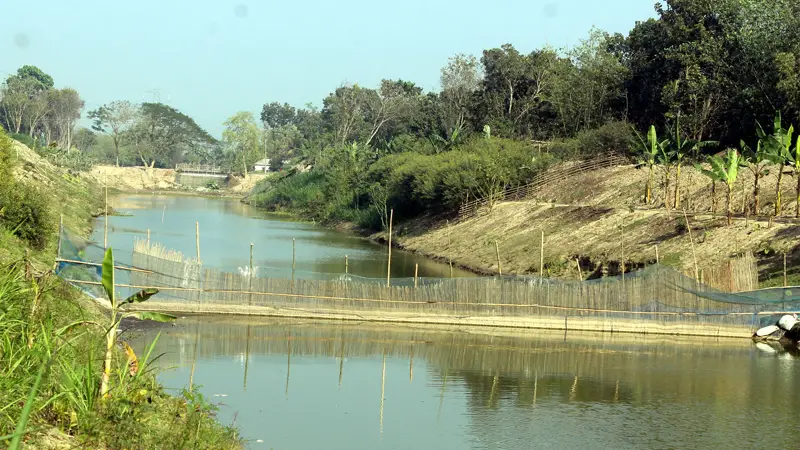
311,385
228,227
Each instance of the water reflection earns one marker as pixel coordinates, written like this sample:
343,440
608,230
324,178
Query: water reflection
483,389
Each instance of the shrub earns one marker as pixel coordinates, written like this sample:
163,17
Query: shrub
24,210
613,137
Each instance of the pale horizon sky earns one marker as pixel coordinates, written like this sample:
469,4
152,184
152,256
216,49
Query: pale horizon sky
212,59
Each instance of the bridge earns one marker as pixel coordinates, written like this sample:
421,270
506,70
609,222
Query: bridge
200,169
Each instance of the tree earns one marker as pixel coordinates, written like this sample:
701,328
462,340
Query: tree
160,130
17,96
275,115
726,170
242,137
460,79
114,119
393,102
65,107
43,80
793,158
85,139
343,113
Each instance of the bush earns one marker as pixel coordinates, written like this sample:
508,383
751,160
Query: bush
613,137
24,139
24,210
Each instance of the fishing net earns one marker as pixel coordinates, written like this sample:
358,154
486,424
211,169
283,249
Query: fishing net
656,294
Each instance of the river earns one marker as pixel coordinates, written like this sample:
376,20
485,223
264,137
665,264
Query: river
298,384
295,384
228,227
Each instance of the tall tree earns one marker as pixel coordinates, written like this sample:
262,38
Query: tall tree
460,79
242,137
114,119
66,106
160,130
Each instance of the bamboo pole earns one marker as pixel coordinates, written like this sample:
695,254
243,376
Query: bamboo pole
691,241
148,237
416,275
657,260
578,264
346,264
197,238
194,355
246,357
785,276
497,251
60,234
541,257
250,279
163,212
389,263
105,220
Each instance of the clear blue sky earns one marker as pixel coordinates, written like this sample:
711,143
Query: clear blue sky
211,59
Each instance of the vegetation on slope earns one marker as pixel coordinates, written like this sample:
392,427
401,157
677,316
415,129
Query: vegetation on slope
40,347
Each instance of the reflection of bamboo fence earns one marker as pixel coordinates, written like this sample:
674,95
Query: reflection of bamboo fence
655,300
599,361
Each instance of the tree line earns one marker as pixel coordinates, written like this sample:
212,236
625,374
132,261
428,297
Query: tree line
703,73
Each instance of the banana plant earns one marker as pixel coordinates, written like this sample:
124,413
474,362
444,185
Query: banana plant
727,171
758,163
777,149
117,315
793,158
648,153
666,160
681,148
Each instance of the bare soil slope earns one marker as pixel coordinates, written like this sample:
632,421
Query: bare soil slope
600,219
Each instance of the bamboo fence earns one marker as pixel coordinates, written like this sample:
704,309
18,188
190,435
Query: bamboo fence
657,298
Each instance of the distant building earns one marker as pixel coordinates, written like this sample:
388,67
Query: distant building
262,165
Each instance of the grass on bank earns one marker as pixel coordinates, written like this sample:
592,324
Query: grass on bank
36,311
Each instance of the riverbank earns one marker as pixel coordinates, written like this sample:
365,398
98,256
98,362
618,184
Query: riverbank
599,230
50,349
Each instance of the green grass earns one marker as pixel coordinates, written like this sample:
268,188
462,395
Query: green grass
50,371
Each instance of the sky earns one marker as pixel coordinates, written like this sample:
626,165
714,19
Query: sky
211,59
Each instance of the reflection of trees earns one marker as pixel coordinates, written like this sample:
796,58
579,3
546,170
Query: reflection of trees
505,370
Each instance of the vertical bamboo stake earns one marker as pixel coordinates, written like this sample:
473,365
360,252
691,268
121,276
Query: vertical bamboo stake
346,264
541,257
416,274
580,274
194,355
163,212
105,228
60,234
246,356
197,238
497,251
657,260
148,237
389,263
785,277
411,366
250,281
691,241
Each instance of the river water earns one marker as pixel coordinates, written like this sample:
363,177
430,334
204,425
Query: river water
294,384
228,227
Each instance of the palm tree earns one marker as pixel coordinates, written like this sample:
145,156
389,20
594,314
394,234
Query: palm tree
757,162
648,152
777,148
726,170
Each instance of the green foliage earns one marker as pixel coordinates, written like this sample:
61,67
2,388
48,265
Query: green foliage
49,378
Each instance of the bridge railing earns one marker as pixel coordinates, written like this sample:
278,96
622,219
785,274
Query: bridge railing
198,168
